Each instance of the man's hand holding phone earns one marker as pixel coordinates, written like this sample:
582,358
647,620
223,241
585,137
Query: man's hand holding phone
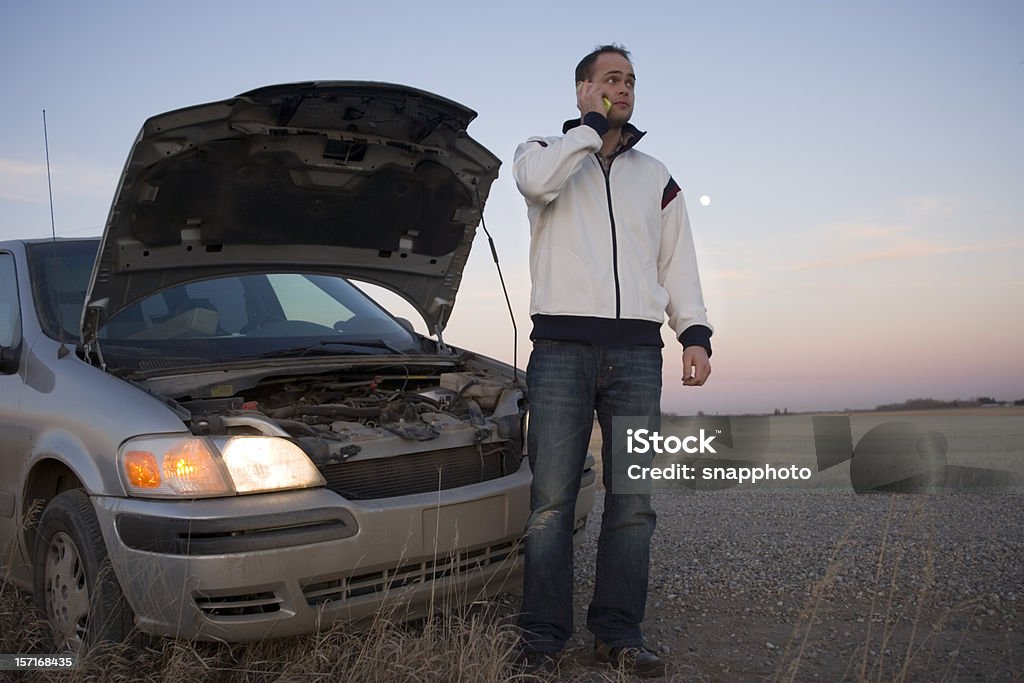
590,98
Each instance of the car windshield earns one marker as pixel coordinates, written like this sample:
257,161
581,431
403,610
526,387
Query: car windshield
222,319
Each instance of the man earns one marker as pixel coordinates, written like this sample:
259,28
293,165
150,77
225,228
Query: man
610,253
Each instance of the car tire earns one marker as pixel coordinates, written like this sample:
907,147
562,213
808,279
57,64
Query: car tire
75,586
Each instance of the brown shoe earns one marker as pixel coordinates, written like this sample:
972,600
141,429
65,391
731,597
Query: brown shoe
634,659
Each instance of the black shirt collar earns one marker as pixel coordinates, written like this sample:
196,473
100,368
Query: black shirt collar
630,133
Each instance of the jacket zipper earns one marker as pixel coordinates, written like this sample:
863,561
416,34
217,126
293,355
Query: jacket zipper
615,244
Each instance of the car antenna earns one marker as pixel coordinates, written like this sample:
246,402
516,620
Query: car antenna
63,350
494,255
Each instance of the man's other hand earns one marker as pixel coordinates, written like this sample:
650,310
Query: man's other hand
696,366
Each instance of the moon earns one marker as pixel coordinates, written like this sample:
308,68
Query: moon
705,200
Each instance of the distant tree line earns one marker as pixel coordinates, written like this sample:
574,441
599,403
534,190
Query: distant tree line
933,403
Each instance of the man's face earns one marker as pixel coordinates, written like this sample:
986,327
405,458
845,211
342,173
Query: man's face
614,74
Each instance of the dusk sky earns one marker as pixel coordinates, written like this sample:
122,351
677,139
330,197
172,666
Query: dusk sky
864,161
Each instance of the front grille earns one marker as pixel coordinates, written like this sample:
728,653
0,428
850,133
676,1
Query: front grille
238,605
410,574
404,475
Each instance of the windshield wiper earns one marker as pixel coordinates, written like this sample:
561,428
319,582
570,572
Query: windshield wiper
317,348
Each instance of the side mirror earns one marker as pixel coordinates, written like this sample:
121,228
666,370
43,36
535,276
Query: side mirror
10,358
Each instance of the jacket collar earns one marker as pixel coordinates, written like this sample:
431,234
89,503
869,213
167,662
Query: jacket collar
630,134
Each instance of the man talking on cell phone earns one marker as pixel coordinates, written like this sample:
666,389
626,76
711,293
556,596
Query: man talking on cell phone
610,254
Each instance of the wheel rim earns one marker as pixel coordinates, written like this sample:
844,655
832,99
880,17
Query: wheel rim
67,592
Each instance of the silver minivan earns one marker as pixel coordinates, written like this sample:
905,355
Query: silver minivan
209,430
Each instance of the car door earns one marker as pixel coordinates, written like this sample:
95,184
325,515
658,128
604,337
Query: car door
12,437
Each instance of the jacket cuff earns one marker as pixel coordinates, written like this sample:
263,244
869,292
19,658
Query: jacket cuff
696,335
597,122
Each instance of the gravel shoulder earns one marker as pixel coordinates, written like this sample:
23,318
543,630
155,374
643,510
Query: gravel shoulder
799,586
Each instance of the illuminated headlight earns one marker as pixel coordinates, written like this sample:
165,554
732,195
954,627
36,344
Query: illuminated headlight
200,467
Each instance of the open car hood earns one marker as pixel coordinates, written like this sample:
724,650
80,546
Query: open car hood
373,181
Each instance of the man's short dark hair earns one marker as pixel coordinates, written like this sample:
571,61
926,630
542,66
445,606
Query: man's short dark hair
586,65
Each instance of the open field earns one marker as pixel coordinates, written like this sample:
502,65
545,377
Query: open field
979,439
769,582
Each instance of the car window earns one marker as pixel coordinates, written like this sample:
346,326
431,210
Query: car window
239,316
10,309
226,295
60,274
216,319
303,298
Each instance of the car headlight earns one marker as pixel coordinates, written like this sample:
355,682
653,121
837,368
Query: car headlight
203,467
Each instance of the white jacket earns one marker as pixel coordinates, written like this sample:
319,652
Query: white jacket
609,255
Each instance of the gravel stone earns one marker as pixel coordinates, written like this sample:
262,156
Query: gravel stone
836,574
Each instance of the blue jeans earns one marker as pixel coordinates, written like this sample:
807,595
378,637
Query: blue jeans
567,382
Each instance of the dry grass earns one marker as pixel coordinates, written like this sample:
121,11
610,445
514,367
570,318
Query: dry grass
467,644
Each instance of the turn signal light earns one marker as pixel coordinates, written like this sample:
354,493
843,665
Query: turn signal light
172,466
189,468
141,469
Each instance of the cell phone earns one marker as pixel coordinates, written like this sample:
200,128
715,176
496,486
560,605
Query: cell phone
607,103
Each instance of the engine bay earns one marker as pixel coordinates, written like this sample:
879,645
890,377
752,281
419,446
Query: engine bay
389,431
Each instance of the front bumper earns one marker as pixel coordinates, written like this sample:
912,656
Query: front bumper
272,565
